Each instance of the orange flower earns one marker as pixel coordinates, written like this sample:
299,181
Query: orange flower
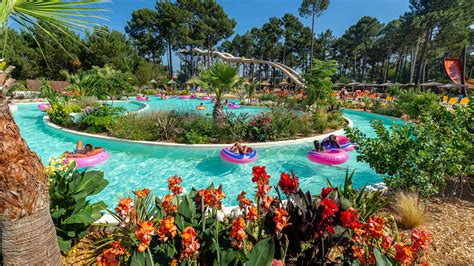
238,232
174,185
276,262
212,197
174,262
420,239
280,219
143,233
374,226
168,204
142,193
189,242
262,179
167,228
125,210
252,213
266,203
288,184
109,256
243,201
403,253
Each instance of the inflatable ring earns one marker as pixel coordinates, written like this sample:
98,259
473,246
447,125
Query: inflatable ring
201,108
206,98
158,95
344,142
44,106
233,106
186,97
329,157
232,157
142,98
88,161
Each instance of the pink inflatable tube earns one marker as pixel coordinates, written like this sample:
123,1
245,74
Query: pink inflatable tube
89,161
44,106
186,97
142,98
233,106
205,98
233,157
328,157
158,94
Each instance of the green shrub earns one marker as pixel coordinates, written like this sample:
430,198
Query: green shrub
260,127
193,137
71,210
167,125
267,97
235,128
99,119
320,121
285,124
417,104
87,101
420,157
335,119
135,126
60,112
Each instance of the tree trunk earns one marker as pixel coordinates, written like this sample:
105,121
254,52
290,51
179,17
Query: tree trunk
218,113
170,59
312,41
28,236
413,61
424,49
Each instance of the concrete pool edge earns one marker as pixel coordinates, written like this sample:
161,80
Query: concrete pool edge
195,146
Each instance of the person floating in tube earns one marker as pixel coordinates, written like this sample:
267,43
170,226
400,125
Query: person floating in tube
83,151
331,142
240,149
317,146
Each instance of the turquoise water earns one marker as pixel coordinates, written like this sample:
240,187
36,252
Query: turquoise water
134,166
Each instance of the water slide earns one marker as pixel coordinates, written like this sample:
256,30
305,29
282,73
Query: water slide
291,73
453,67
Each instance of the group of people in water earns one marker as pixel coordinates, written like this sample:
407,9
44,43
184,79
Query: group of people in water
83,151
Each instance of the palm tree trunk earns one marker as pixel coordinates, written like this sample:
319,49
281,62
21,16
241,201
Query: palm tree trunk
28,236
218,113
170,59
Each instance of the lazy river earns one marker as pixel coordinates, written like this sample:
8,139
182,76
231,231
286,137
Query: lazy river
135,166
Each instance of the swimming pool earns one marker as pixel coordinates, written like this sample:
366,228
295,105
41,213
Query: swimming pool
133,166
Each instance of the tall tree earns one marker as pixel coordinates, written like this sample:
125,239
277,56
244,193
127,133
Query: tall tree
24,185
313,9
143,30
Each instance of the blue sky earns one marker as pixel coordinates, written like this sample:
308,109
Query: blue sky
250,13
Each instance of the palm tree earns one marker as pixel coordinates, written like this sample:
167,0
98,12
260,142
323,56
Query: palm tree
28,234
250,89
220,78
83,83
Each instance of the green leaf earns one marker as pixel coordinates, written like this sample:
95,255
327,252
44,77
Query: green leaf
262,253
187,208
381,259
345,203
64,245
141,259
57,213
228,256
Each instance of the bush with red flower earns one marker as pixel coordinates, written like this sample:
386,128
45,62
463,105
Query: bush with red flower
260,127
269,230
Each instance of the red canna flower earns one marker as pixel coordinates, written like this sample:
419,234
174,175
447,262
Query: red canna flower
125,210
174,185
143,233
212,197
276,262
167,228
243,201
420,239
350,219
374,226
238,233
189,242
403,253
252,213
329,208
266,203
326,191
168,204
288,184
280,219
142,193
109,256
